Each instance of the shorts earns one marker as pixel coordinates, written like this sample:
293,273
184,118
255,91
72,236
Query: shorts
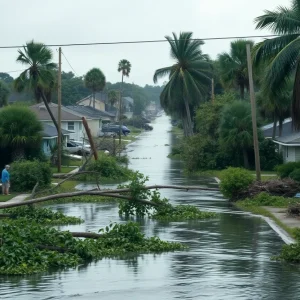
5,185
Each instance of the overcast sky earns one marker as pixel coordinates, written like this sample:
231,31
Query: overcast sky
80,21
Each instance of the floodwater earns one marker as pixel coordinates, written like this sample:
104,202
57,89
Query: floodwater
228,257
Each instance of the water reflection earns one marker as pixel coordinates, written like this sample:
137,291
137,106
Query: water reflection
228,257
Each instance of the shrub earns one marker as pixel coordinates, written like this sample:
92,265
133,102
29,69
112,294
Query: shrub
269,157
234,180
294,209
285,170
108,167
25,174
295,175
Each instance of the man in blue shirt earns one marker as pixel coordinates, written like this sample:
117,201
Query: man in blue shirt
5,180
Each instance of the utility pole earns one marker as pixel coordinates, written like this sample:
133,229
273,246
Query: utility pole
59,137
253,111
212,90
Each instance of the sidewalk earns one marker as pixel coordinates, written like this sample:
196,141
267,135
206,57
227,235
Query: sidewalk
16,199
281,215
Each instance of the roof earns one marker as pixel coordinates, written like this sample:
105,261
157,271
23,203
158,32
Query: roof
51,132
90,112
43,115
128,100
100,96
287,129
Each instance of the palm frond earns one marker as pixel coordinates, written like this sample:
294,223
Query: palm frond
160,73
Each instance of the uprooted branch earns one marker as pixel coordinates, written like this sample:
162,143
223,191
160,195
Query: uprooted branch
106,193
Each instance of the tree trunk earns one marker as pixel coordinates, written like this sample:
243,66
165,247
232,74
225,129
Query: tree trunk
274,127
188,115
49,111
120,114
185,126
242,91
246,160
94,99
280,126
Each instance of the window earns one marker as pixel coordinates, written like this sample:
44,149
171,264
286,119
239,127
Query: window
71,126
80,126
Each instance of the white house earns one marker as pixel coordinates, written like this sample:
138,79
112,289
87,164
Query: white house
289,141
69,120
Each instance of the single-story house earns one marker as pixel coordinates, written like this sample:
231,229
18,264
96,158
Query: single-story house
69,121
50,136
289,141
95,116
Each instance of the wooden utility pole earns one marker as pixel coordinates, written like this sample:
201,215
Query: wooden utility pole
59,137
253,111
212,90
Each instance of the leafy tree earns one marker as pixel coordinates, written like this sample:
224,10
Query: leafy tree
95,81
236,129
281,53
4,92
139,105
5,77
39,74
19,129
233,66
189,77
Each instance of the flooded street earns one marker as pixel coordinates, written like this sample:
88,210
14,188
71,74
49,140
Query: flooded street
228,257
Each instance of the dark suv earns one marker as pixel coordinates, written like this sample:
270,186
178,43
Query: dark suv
115,129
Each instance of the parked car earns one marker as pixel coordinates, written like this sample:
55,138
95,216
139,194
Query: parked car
82,144
115,129
75,148
148,126
106,134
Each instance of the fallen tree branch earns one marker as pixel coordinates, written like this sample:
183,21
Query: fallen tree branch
89,235
34,191
107,193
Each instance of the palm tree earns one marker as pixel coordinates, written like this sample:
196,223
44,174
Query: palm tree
113,97
19,128
95,81
124,67
236,128
39,73
189,77
233,66
281,53
4,92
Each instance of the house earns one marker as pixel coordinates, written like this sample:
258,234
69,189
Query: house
100,99
289,141
96,117
50,136
69,121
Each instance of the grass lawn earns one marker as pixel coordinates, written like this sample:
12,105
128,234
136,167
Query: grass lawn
4,198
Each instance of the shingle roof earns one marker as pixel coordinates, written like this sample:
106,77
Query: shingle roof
90,112
128,99
43,115
287,129
50,131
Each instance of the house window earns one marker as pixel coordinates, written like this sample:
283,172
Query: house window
71,126
80,126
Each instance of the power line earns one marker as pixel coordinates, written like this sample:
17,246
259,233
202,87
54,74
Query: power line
149,41
14,71
69,64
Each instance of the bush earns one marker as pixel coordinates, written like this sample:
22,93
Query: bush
295,175
235,180
294,209
285,170
108,167
25,174
269,157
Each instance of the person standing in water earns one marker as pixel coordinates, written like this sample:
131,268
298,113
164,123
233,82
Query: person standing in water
5,180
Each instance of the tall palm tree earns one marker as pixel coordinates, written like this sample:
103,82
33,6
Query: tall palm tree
39,73
124,67
4,92
281,53
236,129
95,81
233,66
189,77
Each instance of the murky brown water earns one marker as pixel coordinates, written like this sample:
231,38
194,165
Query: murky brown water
228,257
